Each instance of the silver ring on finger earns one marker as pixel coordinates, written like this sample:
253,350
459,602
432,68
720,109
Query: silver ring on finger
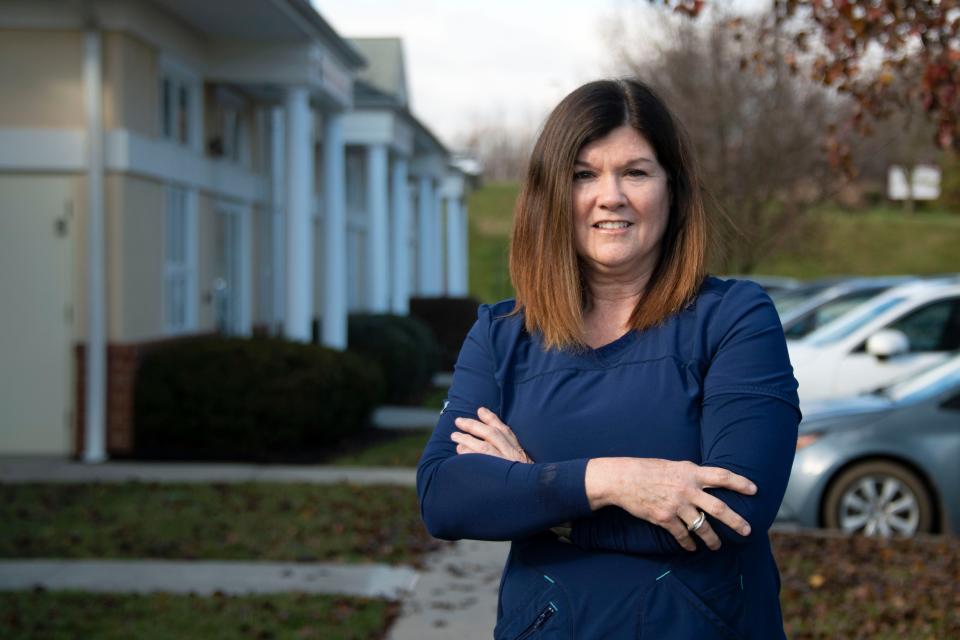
696,524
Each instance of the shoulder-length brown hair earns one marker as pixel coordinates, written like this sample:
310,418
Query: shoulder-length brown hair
544,266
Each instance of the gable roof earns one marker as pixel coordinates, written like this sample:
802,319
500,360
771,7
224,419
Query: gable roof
385,72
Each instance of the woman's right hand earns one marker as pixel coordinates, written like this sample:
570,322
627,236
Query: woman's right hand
667,493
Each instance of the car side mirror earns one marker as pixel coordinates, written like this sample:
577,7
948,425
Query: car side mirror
887,343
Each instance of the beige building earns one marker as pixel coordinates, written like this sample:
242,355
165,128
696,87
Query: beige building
171,168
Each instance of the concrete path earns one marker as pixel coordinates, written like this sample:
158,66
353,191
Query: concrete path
58,469
456,595
206,577
443,379
397,417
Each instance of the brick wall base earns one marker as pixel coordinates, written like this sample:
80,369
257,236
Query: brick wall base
123,362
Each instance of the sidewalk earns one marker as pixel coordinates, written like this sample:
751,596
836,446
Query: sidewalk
398,417
456,595
204,577
58,469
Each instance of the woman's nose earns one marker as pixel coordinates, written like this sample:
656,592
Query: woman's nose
611,195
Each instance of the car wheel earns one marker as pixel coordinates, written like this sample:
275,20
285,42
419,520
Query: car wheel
878,498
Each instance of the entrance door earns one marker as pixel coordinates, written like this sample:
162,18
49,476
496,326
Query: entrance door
36,236
230,282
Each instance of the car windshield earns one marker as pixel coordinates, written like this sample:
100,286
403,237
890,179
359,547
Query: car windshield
931,382
850,322
787,299
832,310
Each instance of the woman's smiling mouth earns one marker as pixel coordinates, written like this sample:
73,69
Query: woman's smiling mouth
612,225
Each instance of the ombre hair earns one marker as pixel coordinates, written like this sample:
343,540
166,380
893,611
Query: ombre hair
546,271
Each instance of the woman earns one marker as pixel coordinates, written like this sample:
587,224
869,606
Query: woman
649,410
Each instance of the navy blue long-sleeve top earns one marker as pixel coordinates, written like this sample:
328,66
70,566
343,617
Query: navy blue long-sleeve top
712,384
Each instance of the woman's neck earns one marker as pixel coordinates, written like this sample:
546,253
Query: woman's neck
612,301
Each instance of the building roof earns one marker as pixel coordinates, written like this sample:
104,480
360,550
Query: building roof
259,20
342,46
385,72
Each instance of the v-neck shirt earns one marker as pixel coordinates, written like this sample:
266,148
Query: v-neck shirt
712,384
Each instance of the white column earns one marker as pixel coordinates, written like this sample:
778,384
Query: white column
438,281
335,234
455,256
277,218
299,245
464,249
400,267
378,229
95,399
425,204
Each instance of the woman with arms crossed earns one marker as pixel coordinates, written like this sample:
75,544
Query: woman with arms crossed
648,409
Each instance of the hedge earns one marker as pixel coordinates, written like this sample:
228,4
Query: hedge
405,349
450,319
245,398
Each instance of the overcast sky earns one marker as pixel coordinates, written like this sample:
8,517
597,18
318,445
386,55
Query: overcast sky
469,60
483,60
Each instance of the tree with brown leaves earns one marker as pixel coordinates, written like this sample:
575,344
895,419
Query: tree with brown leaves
887,55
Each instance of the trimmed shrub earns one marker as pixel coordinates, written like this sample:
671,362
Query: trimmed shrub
450,319
225,398
403,346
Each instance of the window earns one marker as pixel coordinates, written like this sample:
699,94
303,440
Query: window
828,312
179,306
178,101
932,327
232,132
952,403
849,323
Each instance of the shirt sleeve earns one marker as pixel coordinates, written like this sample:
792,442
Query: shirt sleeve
483,497
750,415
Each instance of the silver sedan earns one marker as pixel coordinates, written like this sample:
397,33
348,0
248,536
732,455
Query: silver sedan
881,464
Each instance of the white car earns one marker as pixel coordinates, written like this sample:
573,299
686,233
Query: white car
806,316
891,337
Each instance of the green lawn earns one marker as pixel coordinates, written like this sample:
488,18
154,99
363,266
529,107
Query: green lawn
261,521
877,242
40,615
883,240
491,214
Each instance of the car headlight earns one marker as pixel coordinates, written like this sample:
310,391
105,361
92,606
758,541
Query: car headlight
807,439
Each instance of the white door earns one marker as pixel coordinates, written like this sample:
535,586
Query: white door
36,231
233,265
933,331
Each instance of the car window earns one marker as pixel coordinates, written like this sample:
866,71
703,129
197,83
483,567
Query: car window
783,301
927,327
940,378
849,323
801,326
836,308
952,402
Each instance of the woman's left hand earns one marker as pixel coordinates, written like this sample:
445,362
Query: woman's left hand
488,435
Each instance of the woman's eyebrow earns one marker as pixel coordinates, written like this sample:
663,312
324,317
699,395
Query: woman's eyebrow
637,160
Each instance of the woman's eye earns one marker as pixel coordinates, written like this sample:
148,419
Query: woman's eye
636,173
582,175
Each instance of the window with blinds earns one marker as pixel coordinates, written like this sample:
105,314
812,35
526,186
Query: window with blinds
179,271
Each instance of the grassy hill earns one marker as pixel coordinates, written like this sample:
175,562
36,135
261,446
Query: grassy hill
874,242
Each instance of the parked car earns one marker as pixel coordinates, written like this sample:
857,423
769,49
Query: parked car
786,300
892,336
830,302
884,463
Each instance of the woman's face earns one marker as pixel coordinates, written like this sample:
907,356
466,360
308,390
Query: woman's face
621,201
